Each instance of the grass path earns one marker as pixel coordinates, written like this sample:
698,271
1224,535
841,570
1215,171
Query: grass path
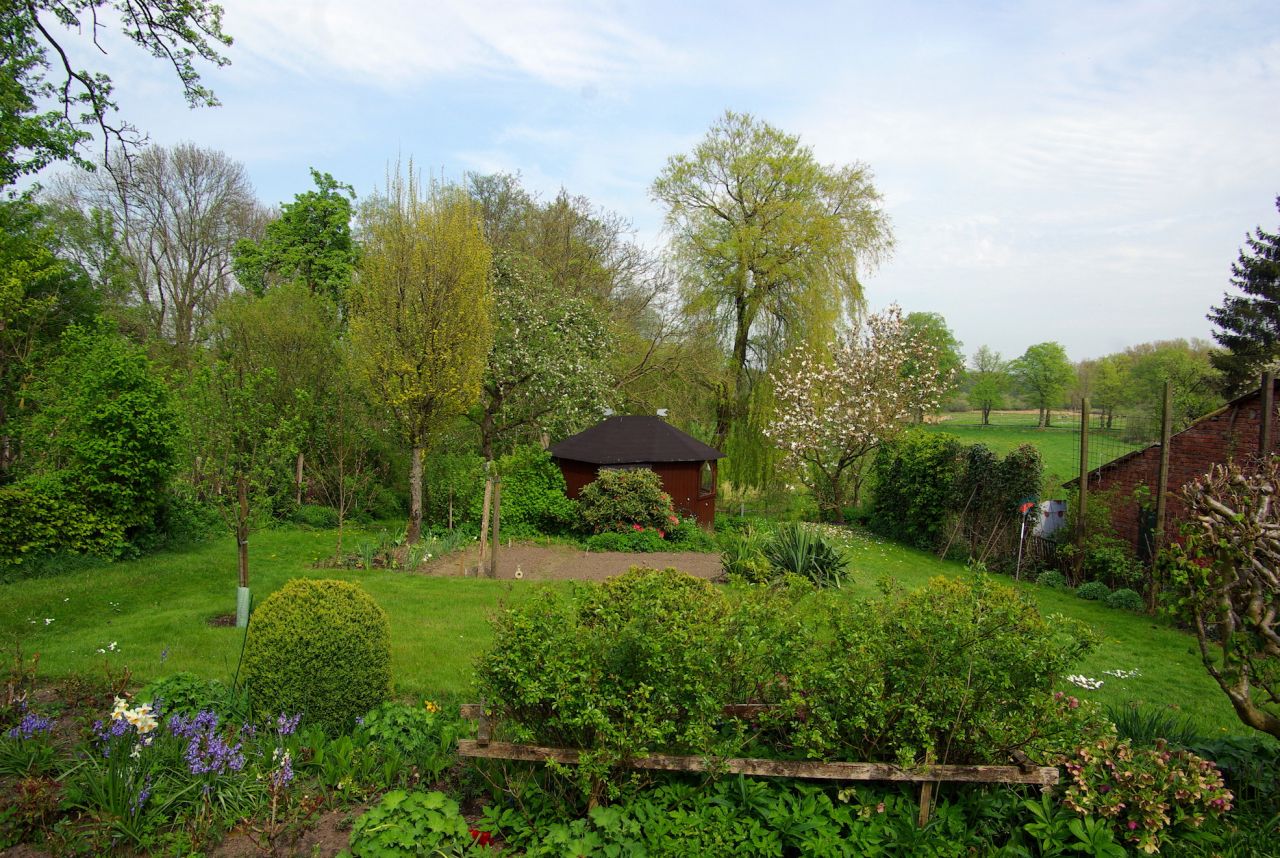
157,609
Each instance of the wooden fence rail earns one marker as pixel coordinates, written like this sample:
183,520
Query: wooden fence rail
1024,772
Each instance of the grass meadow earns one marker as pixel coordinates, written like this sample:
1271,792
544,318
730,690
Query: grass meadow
1059,444
157,610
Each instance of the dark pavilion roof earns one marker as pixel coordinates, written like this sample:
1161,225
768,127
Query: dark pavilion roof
633,439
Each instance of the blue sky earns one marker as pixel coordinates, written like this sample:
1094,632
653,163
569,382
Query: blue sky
1082,172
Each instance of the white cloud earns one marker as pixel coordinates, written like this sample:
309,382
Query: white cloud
397,43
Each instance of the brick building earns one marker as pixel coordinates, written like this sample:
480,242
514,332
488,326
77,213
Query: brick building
1231,433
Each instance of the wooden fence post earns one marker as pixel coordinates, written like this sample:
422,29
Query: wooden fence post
1162,489
484,521
497,520
1082,500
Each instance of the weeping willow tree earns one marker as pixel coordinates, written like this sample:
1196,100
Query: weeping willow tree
771,242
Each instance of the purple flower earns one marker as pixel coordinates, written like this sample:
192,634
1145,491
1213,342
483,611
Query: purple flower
143,795
209,753
187,728
285,725
30,725
283,773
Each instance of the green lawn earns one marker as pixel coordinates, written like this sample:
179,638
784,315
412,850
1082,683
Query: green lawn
162,604
1059,444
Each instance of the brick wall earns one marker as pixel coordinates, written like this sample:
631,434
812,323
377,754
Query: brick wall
1230,433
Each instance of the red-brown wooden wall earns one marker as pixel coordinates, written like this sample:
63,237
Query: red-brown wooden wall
679,479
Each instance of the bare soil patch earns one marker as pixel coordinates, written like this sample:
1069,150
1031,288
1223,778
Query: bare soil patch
565,563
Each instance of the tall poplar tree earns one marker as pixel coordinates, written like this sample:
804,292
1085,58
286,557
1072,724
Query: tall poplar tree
421,311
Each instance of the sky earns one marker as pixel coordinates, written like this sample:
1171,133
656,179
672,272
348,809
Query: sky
1084,172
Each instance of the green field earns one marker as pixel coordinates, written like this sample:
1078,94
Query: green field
1059,444
157,609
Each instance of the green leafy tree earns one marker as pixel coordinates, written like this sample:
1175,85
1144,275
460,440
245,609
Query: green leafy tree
1249,324
548,370
948,364
1110,386
771,241
1044,372
40,294
50,105
990,382
103,429
1187,366
310,243
421,316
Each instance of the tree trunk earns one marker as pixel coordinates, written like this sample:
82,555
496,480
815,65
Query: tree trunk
242,528
986,415
415,495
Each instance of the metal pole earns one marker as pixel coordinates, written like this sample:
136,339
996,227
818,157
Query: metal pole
1082,505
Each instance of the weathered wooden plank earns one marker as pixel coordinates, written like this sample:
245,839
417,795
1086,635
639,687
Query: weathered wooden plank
1043,776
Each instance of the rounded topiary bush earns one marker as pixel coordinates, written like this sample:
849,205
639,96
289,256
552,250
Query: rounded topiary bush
1093,591
619,500
319,648
1126,600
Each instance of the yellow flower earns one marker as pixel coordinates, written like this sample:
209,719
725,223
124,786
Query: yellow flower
430,706
121,707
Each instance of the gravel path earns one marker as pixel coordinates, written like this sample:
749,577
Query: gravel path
562,563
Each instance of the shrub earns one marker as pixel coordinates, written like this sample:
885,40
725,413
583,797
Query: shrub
800,549
321,648
688,535
1093,591
1147,795
316,516
533,494
619,669
915,478
960,670
1053,579
410,824
617,500
643,541
35,523
1126,600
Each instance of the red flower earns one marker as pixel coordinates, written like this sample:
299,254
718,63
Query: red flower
481,838
662,534
637,528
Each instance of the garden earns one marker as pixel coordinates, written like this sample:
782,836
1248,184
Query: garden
135,721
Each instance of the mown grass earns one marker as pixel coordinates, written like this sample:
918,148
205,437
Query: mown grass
157,609
1059,445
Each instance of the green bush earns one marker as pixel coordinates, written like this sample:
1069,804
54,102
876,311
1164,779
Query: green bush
1093,591
633,665
620,499
34,524
688,535
103,427
801,549
533,494
1126,600
643,541
316,516
961,671
1053,579
321,648
410,824
915,478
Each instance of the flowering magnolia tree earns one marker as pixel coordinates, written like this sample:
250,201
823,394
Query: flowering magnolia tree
833,412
